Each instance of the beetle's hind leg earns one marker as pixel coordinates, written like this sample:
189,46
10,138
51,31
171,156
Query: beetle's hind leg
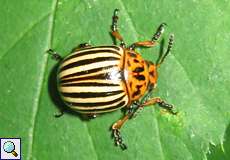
59,114
56,56
115,33
152,42
116,130
92,116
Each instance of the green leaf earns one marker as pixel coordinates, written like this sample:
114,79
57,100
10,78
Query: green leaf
221,151
195,78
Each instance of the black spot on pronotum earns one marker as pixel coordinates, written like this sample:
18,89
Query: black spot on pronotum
132,54
136,61
140,77
139,69
139,86
136,93
152,73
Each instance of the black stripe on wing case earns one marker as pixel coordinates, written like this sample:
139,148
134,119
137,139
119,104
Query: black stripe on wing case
102,109
88,61
91,94
87,52
114,47
85,84
103,76
97,47
94,104
88,71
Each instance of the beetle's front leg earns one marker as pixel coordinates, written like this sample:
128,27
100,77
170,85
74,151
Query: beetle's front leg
115,33
56,56
152,42
81,46
116,130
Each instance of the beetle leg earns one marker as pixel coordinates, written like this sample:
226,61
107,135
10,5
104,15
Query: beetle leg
80,46
152,42
161,103
138,104
92,116
137,111
116,130
118,139
84,45
60,114
169,48
115,33
56,56
134,109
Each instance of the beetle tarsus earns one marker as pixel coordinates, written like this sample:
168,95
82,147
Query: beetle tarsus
56,56
114,27
84,45
115,19
60,114
81,46
168,107
118,139
169,48
159,32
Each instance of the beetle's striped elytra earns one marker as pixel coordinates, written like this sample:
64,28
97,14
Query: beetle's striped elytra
92,80
100,79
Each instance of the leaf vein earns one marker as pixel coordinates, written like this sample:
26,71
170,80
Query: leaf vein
41,83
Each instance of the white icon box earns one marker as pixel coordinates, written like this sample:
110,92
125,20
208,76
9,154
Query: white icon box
10,148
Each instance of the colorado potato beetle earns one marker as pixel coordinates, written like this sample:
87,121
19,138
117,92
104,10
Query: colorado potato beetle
100,79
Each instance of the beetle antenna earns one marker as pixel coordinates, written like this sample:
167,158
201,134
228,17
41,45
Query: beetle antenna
169,48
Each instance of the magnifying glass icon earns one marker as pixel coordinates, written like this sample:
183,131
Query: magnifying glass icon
9,147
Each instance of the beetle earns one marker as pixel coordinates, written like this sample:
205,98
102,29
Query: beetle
101,79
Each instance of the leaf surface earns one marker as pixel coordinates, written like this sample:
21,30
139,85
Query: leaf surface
195,78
